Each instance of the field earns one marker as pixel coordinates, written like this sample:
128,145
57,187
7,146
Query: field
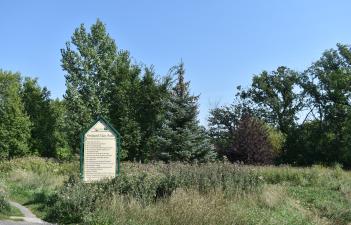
213,193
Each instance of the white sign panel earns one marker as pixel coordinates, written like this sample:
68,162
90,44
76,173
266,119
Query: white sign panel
99,153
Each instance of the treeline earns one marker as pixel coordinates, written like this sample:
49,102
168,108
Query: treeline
284,116
308,114
157,117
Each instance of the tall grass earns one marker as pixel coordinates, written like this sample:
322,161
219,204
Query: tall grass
31,180
4,205
176,193
149,184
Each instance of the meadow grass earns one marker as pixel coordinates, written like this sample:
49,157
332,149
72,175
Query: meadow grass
31,180
176,193
6,210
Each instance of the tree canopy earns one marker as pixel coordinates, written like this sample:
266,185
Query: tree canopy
283,116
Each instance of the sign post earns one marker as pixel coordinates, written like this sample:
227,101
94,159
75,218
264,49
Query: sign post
100,150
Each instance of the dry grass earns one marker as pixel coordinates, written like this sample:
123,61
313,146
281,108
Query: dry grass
165,194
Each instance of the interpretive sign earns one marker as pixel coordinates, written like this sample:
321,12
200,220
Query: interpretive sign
100,152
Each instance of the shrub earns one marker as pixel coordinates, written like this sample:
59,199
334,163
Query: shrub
63,153
148,184
4,205
251,143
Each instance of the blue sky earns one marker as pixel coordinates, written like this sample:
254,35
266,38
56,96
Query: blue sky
222,43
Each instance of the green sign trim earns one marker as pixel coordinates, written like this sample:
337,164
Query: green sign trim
118,145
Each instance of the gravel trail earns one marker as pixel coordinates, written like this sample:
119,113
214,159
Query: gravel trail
28,217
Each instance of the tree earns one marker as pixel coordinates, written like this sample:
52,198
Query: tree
151,110
14,123
37,106
57,129
47,116
327,85
251,143
182,138
276,93
123,98
88,65
103,81
223,121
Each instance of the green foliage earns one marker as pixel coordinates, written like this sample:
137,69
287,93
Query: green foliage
4,205
276,138
63,153
323,136
103,81
176,193
222,123
58,120
276,94
36,103
14,123
88,65
311,111
148,184
181,138
47,118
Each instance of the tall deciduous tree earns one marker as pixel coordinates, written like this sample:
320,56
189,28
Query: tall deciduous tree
14,123
327,84
37,106
88,65
277,93
103,81
57,130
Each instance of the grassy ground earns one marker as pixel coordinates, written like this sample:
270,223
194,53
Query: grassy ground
29,181
216,193
6,210
7,214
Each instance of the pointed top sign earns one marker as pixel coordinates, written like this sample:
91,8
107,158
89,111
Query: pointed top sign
100,151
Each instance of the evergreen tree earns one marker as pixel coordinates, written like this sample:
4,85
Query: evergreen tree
123,101
181,137
153,92
14,123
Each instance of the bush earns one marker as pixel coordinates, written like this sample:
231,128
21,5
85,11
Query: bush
63,153
176,193
4,205
251,143
149,184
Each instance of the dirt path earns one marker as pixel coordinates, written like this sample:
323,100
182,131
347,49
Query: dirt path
28,217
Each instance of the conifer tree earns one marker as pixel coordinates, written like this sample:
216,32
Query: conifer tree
181,137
